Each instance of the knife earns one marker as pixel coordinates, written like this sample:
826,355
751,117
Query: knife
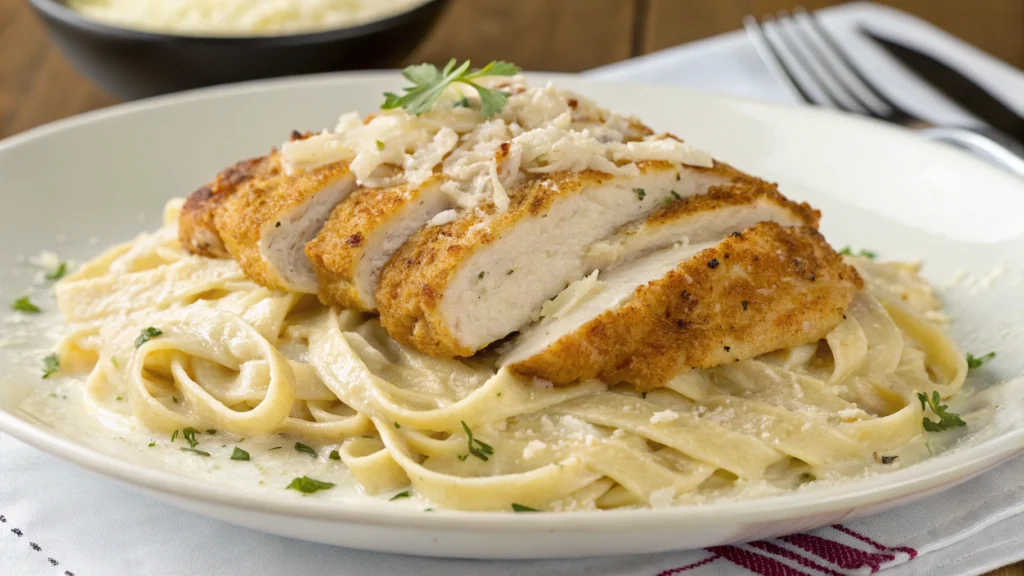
956,86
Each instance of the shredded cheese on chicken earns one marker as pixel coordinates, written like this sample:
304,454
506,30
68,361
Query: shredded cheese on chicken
540,130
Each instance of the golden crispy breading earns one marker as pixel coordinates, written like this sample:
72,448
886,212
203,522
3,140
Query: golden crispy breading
258,204
197,230
414,282
340,249
766,288
742,192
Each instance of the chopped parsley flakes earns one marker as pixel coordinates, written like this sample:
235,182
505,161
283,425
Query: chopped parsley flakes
521,508
848,251
380,145
947,419
978,361
429,83
194,451
58,272
334,455
190,436
25,305
239,454
476,447
174,436
51,364
300,447
399,495
640,193
147,335
308,485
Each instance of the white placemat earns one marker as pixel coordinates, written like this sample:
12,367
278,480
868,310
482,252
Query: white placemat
57,519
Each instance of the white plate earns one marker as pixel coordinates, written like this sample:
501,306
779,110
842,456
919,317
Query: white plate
104,176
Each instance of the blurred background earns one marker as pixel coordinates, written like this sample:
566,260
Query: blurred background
38,85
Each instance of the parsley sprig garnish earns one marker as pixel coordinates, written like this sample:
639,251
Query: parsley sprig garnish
476,447
977,361
947,419
51,364
308,485
25,305
239,454
430,83
146,335
848,251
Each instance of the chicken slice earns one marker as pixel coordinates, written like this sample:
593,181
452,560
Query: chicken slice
363,233
695,306
712,216
197,229
456,288
267,222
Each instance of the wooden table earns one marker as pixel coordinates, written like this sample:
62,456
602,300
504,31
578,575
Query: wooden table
37,85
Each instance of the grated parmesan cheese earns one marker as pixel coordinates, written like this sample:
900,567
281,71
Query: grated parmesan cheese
664,416
540,130
533,448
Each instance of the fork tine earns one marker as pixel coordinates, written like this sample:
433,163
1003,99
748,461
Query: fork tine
773,59
828,40
783,26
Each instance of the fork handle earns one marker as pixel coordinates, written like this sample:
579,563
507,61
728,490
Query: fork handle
988,143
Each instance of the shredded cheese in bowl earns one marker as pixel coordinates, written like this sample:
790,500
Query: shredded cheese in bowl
239,17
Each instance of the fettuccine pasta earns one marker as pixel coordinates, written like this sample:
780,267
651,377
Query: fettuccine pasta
226,354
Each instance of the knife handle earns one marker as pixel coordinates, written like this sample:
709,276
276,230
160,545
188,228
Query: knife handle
987,143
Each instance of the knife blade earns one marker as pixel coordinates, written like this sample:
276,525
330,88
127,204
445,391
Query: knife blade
955,85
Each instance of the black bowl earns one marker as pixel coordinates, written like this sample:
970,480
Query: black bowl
134,64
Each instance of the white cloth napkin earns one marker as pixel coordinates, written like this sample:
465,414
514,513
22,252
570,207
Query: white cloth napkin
56,519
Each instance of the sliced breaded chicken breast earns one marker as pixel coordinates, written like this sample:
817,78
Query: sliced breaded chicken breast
197,230
696,306
267,222
712,216
454,289
363,233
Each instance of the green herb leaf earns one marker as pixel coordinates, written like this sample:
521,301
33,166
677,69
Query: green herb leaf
274,448
947,419
429,83
239,454
174,436
118,399
308,485
25,305
461,103
977,361
675,195
380,145
521,508
194,451
399,495
397,425
462,457
476,447
848,251
640,193
300,447
51,364
147,335
334,455
190,436
211,431
152,443
58,272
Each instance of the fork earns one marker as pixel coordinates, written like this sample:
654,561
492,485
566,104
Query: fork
806,58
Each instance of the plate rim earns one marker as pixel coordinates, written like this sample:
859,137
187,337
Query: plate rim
901,485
